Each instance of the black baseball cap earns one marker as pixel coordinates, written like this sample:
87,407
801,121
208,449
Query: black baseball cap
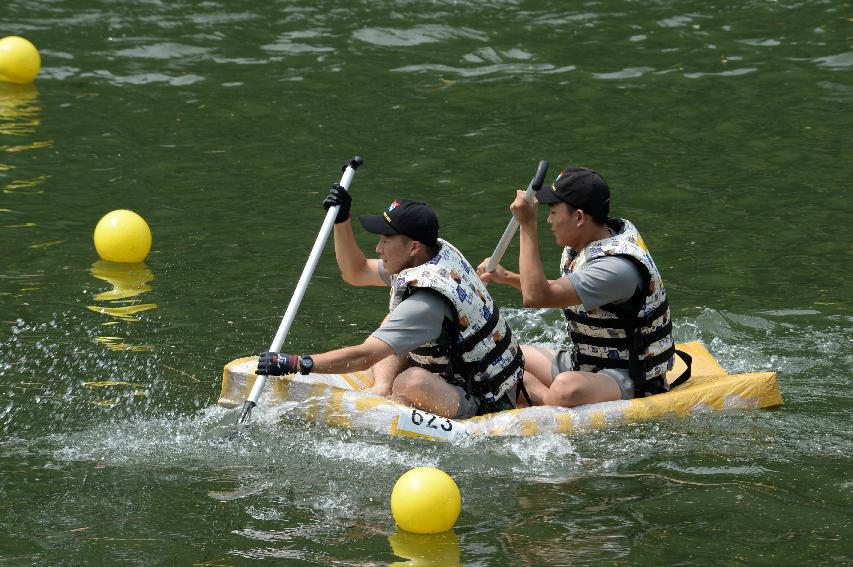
410,218
581,188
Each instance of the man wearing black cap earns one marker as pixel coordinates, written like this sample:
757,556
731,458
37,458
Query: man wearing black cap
610,291
444,347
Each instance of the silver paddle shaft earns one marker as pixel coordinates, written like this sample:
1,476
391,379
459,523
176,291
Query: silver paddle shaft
307,272
503,243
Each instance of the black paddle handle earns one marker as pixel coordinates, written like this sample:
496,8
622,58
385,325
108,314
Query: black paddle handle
353,163
539,178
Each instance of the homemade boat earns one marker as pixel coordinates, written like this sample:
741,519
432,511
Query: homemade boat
341,400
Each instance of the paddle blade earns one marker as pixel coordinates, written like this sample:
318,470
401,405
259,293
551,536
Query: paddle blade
246,412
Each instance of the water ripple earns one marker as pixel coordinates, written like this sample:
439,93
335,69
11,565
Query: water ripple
729,73
418,35
145,78
627,73
165,50
286,43
835,61
502,69
220,18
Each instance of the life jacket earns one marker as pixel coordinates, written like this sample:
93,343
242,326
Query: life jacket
635,335
481,354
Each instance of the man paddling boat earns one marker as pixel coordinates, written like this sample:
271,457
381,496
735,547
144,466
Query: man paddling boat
610,291
444,347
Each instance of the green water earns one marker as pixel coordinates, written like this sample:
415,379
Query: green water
723,130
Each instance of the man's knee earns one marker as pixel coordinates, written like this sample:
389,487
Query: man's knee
409,382
566,391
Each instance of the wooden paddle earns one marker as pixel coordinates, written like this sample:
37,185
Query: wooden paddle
533,187
299,292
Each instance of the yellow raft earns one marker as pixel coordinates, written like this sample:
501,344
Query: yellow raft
340,400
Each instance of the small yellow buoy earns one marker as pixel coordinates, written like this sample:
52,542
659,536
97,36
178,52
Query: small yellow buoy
425,500
122,236
19,60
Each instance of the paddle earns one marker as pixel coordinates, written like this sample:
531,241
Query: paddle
299,292
533,187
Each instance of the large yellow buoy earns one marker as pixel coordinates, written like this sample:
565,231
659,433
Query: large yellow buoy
425,500
122,236
19,60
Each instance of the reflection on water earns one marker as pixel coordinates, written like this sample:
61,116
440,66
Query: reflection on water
129,281
25,187
19,109
433,550
118,343
20,112
118,389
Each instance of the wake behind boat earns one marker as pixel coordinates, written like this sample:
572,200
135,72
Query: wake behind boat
342,400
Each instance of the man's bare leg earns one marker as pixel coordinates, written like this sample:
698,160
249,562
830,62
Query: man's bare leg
537,373
427,391
571,389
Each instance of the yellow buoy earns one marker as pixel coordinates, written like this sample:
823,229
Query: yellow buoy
19,60
425,500
122,236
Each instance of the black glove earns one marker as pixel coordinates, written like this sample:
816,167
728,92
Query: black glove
276,364
338,196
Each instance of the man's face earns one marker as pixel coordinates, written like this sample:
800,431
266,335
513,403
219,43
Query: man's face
564,223
395,251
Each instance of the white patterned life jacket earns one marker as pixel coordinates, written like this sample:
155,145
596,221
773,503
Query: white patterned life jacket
635,335
481,354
